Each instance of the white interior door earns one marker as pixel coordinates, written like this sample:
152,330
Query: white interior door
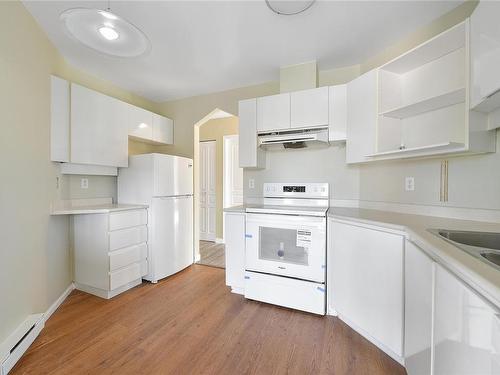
207,191
233,174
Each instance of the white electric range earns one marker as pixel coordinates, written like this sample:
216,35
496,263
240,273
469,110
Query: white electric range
285,258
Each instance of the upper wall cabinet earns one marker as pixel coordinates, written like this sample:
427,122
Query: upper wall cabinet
90,130
140,123
150,127
337,97
250,155
485,60
273,112
309,108
99,135
163,129
422,105
362,117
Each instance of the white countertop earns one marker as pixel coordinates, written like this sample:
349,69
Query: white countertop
91,206
480,276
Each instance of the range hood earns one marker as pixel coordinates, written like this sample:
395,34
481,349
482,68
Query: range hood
294,139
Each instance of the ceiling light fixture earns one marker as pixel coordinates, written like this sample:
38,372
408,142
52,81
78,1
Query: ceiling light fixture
105,32
289,7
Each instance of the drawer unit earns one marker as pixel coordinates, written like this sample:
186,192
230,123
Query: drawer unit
127,219
111,251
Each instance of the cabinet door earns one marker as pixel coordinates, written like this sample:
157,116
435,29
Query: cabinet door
273,112
98,128
337,98
309,108
466,329
367,280
419,273
59,119
163,129
235,250
485,51
361,117
250,155
140,123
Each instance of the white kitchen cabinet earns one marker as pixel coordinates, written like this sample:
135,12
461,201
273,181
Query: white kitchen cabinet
309,108
273,112
361,117
250,155
337,97
485,56
365,267
235,251
140,123
419,273
466,329
110,251
163,129
59,120
99,133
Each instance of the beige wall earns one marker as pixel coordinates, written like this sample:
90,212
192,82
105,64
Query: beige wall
215,130
34,257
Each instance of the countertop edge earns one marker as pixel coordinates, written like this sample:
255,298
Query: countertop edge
95,210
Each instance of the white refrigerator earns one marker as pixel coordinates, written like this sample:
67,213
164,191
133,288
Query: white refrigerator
165,184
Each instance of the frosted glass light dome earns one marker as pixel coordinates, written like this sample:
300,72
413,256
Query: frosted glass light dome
105,32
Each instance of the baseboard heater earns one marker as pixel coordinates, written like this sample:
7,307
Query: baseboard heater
16,344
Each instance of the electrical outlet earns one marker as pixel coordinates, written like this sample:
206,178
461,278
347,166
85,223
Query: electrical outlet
251,183
409,183
84,183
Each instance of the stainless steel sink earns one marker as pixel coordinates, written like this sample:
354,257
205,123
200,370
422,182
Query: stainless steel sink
483,245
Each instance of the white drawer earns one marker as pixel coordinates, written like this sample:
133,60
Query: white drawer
127,219
126,256
282,291
127,237
124,276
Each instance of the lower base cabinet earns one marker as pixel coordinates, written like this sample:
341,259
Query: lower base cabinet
234,233
419,274
110,251
466,329
366,283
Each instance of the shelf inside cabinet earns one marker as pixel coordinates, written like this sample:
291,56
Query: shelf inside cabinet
427,105
435,148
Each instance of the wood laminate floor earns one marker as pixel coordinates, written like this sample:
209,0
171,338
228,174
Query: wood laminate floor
191,324
212,254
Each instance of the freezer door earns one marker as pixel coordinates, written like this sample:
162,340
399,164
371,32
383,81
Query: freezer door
173,175
172,235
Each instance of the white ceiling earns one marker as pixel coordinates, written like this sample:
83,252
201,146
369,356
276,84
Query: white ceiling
210,46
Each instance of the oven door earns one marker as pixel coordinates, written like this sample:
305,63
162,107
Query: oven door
287,245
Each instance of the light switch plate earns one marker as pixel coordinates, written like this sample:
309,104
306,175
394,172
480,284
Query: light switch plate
84,183
409,183
251,183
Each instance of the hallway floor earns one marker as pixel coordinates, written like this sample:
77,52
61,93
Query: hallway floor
212,254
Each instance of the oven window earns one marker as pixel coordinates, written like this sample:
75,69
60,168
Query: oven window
280,245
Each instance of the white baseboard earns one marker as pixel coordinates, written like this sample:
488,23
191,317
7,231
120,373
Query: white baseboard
219,240
13,348
58,302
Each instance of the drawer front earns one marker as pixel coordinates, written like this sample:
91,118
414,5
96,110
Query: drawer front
127,219
282,291
127,256
124,276
127,237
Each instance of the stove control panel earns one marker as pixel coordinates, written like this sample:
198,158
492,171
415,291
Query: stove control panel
296,190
